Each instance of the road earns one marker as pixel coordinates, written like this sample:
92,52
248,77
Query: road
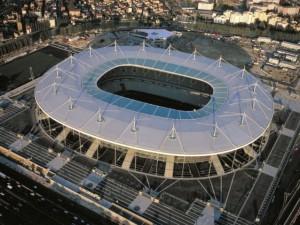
22,201
290,212
289,183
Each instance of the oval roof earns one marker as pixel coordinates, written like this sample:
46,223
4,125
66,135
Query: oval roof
239,112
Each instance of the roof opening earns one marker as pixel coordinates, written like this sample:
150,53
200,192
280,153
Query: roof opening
156,87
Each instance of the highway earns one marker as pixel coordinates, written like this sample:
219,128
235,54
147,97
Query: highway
289,214
284,208
22,201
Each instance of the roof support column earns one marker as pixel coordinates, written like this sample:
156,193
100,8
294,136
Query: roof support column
128,159
92,149
169,166
217,164
250,151
63,134
42,116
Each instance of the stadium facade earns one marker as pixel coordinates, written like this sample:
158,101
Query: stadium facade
158,112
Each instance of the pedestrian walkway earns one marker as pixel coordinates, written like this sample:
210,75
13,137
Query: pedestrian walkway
38,154
7,137
74,172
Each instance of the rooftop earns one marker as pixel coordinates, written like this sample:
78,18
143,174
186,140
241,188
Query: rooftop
239,111
154,34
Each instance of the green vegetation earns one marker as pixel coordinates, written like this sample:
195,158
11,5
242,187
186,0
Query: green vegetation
89,25
224,7
15,44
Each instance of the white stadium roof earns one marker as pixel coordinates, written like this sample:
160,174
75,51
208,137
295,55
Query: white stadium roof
239,111
155,34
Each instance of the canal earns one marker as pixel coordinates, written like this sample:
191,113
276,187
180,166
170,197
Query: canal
17,72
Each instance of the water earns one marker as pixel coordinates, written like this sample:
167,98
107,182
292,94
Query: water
17,72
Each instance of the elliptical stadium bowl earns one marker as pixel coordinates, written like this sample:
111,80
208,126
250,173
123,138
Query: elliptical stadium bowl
158,112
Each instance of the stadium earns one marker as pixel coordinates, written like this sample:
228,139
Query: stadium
156,112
